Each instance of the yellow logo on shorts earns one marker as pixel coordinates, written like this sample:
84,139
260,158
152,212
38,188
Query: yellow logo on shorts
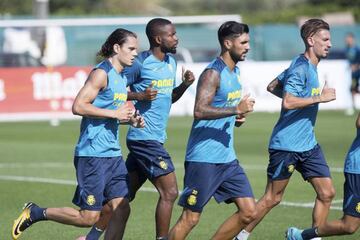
90,200
291,168
162,163
358,207
192,198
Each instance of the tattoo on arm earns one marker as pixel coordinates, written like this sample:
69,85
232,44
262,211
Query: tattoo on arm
208,84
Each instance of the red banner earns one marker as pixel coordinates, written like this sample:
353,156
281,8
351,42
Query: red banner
39,89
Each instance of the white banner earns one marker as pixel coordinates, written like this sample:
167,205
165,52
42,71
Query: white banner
40,93
256,76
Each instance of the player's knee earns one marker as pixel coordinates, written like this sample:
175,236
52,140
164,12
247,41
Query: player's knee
326,195
170,194
191,220
247,215
350,228
273,200
120,204
90,219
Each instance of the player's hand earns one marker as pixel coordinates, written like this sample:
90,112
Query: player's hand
327,94
187,76
124,113
150,93
137,120
245,105
240,119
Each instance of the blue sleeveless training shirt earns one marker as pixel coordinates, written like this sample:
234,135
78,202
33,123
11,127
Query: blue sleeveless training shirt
99,137
211,141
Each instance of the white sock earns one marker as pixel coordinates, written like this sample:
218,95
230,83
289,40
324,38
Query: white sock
243,235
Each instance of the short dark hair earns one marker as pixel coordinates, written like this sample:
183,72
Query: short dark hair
119,36
312,26
153,28
231,29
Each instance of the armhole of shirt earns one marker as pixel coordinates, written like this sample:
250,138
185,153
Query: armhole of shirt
107,77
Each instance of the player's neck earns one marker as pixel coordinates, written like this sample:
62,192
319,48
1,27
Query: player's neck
310,55
116,64
158,53
228,61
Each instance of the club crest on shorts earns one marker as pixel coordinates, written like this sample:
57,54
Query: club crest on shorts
90,200
291,168
162,163
358,207
192,199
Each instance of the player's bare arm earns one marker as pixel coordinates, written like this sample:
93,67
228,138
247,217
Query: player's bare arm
292,102
276,87
83,106
148,95
208,84
187,78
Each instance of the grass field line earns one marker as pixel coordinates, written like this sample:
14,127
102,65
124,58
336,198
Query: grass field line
144,189
177,165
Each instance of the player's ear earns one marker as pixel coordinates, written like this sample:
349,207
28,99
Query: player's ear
227,44
157,40
116,48
310,41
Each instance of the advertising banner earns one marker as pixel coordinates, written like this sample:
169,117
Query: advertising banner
46,93
31,93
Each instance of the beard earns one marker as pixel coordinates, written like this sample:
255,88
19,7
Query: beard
236,57
166,49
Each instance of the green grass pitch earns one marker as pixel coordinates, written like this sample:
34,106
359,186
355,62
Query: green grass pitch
36,164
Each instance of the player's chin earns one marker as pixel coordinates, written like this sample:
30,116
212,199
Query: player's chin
129,63
172,50
242,57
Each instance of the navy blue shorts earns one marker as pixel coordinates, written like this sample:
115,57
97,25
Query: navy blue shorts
225,182
99,181
310,164
149,158
351,204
